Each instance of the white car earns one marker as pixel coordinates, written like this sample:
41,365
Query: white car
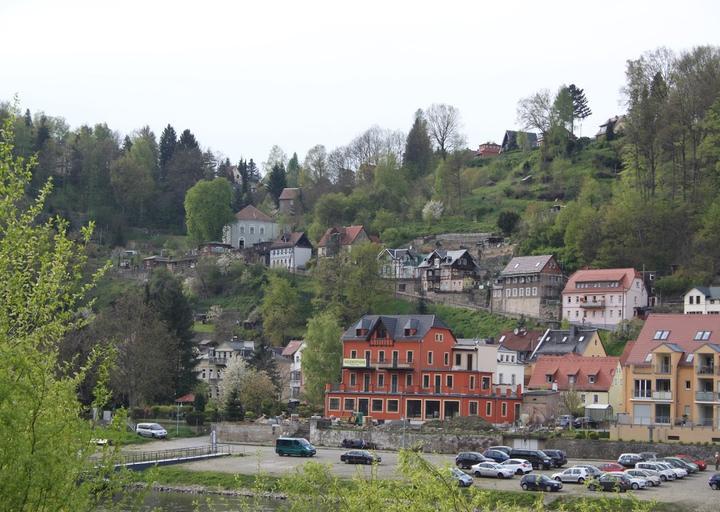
666,474
151,430
651,477
637,482
492,469
679,472
574,474
519,466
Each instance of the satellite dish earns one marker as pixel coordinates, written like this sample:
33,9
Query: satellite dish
516,331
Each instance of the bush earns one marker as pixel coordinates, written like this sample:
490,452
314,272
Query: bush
593,435
194,418
580,435
137,413
249,416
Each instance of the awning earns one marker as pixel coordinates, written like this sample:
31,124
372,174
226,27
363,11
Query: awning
598,406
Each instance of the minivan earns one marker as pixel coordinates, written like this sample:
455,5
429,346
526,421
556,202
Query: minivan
151,430
294,446
537,458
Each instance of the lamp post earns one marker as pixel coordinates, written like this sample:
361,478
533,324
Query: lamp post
177,421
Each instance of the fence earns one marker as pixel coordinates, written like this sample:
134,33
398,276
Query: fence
149,457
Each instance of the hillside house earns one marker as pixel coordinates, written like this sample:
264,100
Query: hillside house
214,358
529,286
488,150
337,239
293,352
250,227
399,263
584,342
702,300
604,297
448,271
510,140
291,251
290,202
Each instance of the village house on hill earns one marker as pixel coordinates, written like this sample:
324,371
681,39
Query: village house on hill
293,352
411,366
448,271
575,341
250,227
399,263
604,297
336,239
488,150
529,286
510,140
291,251
702,300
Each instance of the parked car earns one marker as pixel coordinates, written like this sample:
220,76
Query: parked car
584,422
537,458
496,455
539,483
679,471
151,430
575,475
646,456
565,421
651,477
714,482
618,482
666,474
593,471
294,446
506,449
559,457
465,460
629,460
701,464
611,467
492,469
679,463
358,444
637,482
463,479
520,466
360,457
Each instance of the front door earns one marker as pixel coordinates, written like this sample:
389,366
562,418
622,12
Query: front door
363,406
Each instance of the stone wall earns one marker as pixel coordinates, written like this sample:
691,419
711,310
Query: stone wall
395,438
610,450
252,433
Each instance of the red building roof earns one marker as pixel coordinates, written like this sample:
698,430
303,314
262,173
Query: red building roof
347,235
291,348
677,330
623,276
186,399
252,213
561,368
523,341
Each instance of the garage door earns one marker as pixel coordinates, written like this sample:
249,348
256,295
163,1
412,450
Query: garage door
642,414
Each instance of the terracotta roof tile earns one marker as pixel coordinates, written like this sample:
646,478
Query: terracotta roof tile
562,367
347,235
521,342
252,213
292,347
624,276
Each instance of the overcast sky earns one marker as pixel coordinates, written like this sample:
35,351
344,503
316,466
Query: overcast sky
300,73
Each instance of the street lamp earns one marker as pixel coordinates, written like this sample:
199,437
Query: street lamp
177,421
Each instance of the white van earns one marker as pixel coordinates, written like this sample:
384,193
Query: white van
151,430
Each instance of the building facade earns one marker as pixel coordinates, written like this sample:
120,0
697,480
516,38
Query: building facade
250,227
293,352
291,251
576,341
338,239
213,360
603,298
448,271
399,263
702,300
529,286
412,367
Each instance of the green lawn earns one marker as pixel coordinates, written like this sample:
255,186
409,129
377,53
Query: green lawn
203,328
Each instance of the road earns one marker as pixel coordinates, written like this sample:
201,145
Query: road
692,492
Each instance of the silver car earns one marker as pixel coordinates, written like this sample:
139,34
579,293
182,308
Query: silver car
574,474
492,469
651,477
666,474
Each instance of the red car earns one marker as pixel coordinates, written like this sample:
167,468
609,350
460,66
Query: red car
702,466
611,467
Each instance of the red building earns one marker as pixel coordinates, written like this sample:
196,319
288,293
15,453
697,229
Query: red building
412,367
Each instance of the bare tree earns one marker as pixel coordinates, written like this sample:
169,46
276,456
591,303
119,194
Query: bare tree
444,126
316,162
536,111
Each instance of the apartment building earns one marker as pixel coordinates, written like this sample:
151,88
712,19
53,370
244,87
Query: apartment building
702,300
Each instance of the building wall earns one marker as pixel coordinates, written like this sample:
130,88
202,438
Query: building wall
616,394
534,295
290,258
700,304
251,232
613,307
508,371
595,348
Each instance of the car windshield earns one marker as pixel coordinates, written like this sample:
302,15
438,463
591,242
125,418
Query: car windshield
305,442
457,472
544,478
155,426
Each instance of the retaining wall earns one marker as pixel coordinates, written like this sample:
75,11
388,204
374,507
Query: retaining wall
252,433
610,450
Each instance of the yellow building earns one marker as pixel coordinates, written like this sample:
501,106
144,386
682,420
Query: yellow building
672,380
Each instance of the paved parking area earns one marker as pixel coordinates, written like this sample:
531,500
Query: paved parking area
692,492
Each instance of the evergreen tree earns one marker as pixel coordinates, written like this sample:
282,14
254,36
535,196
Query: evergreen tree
581,110
234,410
276,182
187,140
253,172
28,118
168,143
293,171
163,292
263,360
418,154
42,135
127,144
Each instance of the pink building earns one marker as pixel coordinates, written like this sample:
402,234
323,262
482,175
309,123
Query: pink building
603,298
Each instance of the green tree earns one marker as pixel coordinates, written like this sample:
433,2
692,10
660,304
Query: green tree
322,356
276,182
418,155
45,443
263,360
508,221
168,143
234,410
293,171
280,309
132,179
163,292
208,209
581,110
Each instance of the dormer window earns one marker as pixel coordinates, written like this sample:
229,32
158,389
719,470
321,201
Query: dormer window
591,379
361,332
571,379
549,378
661,335
410,332
702,335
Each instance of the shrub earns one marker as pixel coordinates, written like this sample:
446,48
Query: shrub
593,435
580,435
137,413
195,418
249,416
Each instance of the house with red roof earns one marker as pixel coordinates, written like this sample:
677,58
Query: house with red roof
293,352
603,298
291,251
597,380
672,374
488,150
336,239
250,227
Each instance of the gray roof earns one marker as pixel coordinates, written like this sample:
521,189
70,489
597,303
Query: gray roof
410,253
447,258
395,326
557,342
526,265
712,292
674,347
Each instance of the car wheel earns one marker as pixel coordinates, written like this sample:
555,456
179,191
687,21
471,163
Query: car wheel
477,474
524,487
500,475
714,486
558,479
581,480
519,472
547,488
663,478
635,486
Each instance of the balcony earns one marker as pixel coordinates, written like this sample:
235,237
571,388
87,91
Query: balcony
705,422
592,304
662,395
392,364
706,396
217,360
663,369
662,420
708,370
642,396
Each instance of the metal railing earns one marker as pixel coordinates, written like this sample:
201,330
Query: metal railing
706,396
705,369
662,368
663,420
662,395
177,453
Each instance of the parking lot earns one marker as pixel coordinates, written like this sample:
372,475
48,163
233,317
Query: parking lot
692,492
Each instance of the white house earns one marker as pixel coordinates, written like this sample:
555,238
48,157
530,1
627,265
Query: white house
250,227
603,298
509,371
702,300
290,251
487,356
399,263
213,359
293,351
